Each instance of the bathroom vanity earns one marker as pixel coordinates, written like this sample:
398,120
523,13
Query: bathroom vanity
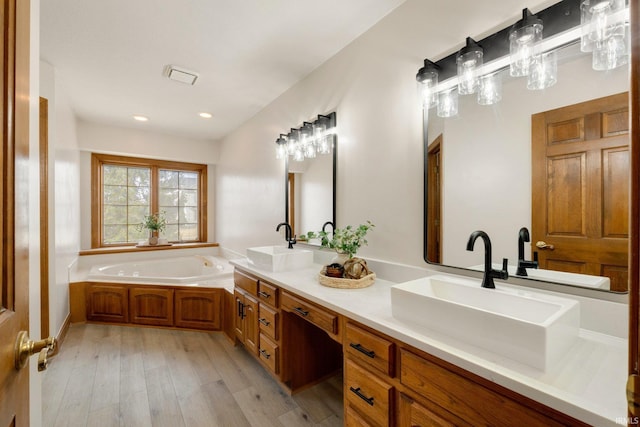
398,374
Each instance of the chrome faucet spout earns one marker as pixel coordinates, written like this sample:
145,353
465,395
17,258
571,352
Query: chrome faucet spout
287,234
489,273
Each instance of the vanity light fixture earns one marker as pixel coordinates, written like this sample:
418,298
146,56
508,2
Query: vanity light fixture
427,79
604,33
524,43
448,103
468,61
544,71
281,147
490,89
312,138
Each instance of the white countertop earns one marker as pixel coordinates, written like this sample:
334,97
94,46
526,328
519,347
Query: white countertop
588,384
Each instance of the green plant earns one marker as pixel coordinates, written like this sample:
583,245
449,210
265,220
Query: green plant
348,239
156,222
311,235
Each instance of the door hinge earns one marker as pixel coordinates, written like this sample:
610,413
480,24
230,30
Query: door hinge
633,394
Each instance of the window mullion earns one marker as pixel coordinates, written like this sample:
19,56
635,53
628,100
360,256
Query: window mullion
155,189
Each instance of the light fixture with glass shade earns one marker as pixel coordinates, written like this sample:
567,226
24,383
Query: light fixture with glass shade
468,61
448,103
307,141
604,32
490,89
544,71
524,42
281,147
292,141
427,79
320,135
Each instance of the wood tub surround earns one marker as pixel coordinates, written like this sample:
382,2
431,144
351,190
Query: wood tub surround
183,307
387,381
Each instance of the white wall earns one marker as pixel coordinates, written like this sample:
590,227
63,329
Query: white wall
371,85
64,181
100,138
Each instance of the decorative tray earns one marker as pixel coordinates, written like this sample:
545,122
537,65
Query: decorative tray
342,283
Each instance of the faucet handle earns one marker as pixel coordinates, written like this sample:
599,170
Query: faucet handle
504,274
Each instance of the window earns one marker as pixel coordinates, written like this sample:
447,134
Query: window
125,189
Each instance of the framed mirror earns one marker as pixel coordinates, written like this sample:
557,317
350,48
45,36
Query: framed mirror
311,190
484,171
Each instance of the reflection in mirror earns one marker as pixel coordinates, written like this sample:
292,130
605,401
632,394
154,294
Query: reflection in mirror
311,192
482,174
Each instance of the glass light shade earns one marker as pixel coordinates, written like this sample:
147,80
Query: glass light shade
292,142
524,45
298,155
544,72
490,89
598,19
281,148
448,103
321,137
468,64
612,52
426,88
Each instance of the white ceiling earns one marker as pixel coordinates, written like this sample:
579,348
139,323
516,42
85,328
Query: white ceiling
111,55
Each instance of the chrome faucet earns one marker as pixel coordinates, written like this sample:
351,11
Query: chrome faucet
287,234
489,273
523,236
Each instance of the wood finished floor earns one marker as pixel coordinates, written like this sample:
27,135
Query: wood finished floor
124,376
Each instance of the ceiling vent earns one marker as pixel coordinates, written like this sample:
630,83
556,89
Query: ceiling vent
181,75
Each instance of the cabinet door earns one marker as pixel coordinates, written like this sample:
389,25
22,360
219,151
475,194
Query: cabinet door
107,303
151,306
198,309
250,321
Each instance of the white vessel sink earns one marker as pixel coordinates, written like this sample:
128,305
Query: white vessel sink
576,279
532,328
279,258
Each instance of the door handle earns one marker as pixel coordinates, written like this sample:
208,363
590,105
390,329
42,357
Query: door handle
543,245
26,347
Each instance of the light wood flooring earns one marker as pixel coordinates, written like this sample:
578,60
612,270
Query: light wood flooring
125,376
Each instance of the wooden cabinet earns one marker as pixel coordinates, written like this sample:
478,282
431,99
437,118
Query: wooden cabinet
107,303
151,306
246,320
269,353
368,394
164,306
369,349
319,316
411,414
198,309
269,321
268,294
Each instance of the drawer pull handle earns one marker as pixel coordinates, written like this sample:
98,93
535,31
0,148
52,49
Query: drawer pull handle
361,349
240,310
300,311
358,393
265,354
264,294
264,321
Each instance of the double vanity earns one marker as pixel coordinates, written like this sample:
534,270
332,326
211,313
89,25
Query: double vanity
435,349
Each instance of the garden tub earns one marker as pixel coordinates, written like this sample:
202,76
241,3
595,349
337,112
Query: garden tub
179,270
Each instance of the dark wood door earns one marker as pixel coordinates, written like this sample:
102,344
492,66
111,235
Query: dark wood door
580,188
14,208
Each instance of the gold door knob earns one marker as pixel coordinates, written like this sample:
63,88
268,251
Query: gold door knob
26,347
544,245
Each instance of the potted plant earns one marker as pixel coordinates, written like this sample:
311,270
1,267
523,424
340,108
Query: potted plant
155,223
346,241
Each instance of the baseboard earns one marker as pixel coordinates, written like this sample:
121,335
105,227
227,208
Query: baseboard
63,331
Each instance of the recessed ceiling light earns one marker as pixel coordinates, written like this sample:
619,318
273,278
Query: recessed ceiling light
141,118
205,115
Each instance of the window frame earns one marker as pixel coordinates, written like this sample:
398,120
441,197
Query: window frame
97,194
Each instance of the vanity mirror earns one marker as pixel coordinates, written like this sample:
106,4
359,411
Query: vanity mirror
311,184
484,171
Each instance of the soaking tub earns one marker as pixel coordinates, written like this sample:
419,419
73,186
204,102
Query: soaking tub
180,270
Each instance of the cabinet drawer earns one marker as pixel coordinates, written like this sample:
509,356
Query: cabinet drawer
268,319
246,282
314,314
353,419
268,294
368,394
467,399
269,353
412,414
370,349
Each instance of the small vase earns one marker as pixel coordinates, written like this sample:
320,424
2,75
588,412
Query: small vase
153,237
340,258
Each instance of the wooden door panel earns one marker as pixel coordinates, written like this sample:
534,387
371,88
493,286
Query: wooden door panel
580,187
566,195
